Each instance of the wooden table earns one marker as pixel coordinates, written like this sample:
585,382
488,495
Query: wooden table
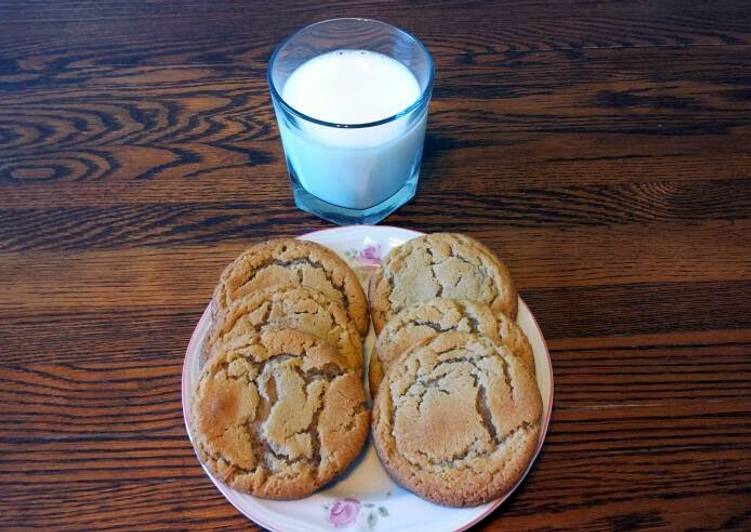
602,148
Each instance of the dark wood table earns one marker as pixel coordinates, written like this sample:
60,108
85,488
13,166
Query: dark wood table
602,148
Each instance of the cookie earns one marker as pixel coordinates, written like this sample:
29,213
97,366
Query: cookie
290,307
457,419
444,265
278,415
287,261
428,319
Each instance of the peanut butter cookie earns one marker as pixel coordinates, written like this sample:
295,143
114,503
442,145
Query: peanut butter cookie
428,319
457,419
287,261
290,307
277,415
443,265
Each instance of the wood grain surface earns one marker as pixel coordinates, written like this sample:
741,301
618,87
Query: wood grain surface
602,148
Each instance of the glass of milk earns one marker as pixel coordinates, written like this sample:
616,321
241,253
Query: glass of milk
351,97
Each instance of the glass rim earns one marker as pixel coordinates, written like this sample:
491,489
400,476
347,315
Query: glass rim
424,96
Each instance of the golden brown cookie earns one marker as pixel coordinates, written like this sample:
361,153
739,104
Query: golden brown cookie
443,265
430,318
457,419
278,415
288,261
290,307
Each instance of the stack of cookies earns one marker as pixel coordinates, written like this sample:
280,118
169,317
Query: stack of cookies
456,409
280,408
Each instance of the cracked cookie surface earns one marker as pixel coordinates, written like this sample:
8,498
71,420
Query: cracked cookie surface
440,265
277,415
288,261
457,419
290,307
430,318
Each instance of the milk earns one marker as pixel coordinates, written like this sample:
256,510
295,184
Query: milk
352,167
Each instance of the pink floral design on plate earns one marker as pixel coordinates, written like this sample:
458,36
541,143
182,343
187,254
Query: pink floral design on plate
344,512
368,256
348,511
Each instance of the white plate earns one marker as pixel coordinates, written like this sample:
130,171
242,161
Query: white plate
365,498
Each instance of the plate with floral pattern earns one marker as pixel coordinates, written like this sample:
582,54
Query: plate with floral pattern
365,498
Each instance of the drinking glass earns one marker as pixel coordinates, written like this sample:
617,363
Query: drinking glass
352,173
